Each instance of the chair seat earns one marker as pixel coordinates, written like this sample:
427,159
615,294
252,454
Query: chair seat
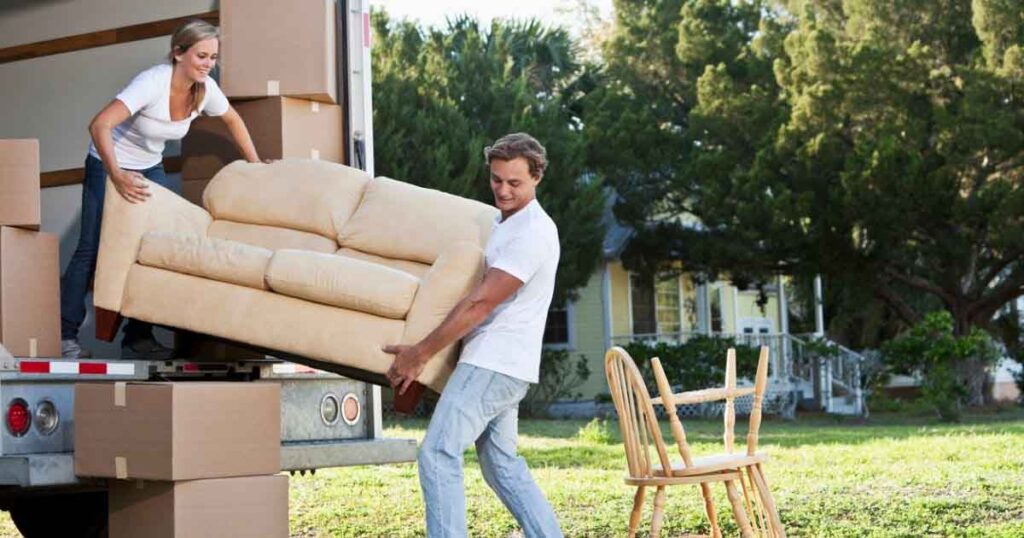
711,464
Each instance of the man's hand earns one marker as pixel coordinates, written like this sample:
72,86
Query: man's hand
408,365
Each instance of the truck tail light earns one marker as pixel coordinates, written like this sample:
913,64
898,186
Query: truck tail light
19,419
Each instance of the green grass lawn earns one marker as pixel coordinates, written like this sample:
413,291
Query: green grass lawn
893,476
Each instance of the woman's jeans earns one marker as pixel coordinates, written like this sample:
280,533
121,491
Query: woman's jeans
74,285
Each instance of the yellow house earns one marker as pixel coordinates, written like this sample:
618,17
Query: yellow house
618,306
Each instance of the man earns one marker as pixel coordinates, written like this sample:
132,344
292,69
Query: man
503,321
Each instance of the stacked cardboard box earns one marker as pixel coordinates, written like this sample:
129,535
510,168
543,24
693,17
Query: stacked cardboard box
285,89
29,259
189,459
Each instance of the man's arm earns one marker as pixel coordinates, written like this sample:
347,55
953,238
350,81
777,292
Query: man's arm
472,310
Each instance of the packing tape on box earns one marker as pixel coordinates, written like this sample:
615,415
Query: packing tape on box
120,467
314,106
314,154
273,87
33,348
120,394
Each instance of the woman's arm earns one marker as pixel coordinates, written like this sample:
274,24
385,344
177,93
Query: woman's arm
129,184
240,134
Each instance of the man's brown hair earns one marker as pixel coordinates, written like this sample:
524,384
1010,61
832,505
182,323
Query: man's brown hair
515,145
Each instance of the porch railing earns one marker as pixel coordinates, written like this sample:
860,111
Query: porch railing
815,370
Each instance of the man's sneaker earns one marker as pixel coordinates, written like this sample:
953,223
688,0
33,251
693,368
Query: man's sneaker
145,349
71,349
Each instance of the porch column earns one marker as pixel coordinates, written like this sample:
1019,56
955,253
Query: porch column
703,309
786,348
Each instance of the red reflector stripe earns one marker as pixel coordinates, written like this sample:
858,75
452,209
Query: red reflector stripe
92,368
35,367
190,367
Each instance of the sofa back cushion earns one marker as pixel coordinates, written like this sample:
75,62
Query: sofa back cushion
270,237
311,196
402,221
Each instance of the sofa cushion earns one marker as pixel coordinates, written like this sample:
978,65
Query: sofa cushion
415,269
307,195
270,237
342,281
216,259
403,221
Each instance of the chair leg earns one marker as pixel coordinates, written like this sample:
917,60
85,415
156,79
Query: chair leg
775,523
709,509
638,508
739,511
659,512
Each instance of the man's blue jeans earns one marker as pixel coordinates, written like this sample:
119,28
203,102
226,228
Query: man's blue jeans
74,285
481,406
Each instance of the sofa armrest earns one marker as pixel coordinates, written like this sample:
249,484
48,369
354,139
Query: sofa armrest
124,224
452,277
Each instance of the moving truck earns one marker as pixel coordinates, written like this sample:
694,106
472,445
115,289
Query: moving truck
60,62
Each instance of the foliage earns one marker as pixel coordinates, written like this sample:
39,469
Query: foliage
944,361
560,376
698,363
442,94
596,432
878,143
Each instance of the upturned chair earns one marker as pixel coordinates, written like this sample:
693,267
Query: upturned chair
641,432
757,497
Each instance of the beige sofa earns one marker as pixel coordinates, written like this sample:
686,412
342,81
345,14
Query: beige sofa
308,258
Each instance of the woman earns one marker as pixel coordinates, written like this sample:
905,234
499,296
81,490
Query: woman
128,138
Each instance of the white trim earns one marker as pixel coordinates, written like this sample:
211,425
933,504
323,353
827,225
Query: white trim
735,309
606,299
629,299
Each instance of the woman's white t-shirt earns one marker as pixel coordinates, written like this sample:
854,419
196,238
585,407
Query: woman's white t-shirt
139,140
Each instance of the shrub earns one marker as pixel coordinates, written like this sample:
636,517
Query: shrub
696,364
943,360
560,375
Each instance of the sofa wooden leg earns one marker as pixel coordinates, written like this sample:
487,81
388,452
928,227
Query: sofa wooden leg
107,324
407,402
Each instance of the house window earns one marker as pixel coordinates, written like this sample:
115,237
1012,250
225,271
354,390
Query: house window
656,306
557,331
641,292
716,310
667,305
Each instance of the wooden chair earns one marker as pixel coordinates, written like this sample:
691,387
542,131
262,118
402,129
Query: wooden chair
757,498
641,433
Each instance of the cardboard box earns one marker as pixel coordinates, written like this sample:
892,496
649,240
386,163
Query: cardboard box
29,292
19,183
272,48
281,128
251,506
177,431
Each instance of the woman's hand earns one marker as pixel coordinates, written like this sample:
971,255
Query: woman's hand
131,185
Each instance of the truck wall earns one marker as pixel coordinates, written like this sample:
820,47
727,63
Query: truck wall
53,98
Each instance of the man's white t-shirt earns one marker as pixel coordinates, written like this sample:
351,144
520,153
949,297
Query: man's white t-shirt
139,140
509,341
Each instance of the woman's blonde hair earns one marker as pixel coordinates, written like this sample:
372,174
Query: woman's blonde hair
187,35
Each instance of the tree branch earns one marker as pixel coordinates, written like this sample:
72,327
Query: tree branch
921,284
900,306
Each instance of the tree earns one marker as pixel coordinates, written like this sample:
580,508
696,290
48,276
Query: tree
441,95
878,143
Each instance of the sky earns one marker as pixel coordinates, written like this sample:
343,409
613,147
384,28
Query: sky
433,13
